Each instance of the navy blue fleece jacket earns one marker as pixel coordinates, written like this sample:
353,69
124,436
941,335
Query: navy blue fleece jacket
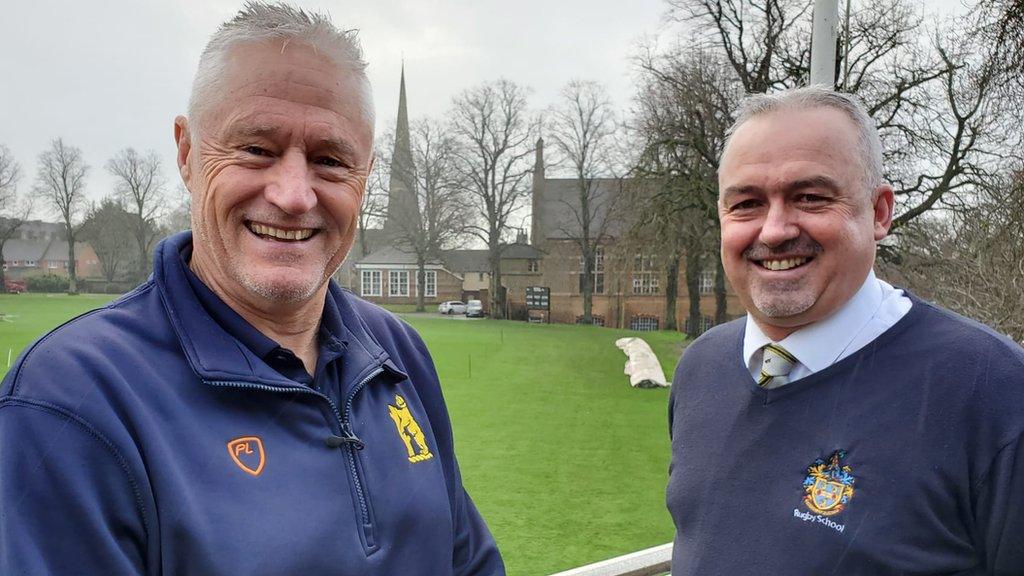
143,438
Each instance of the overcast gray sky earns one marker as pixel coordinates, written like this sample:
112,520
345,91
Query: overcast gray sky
108,74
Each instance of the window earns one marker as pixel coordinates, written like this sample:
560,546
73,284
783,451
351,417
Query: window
480,276
645,283
644,323
430,283
30,263
53,264
533,266
598,272
371,283
645,279
707,281
706,322
398,283
595,319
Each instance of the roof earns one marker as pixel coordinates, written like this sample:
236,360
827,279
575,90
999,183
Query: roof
558,201
376,238
392,255
520,251
58,251
18,249
462,261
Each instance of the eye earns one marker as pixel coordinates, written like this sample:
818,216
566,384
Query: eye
748,204
329,162
256,151
812,199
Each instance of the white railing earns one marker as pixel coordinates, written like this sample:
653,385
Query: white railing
649,562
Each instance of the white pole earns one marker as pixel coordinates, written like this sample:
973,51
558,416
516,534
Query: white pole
823,42
846,50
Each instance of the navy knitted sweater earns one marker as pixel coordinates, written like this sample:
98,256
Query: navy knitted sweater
905,457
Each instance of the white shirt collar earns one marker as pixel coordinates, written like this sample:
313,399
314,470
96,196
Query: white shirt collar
820,344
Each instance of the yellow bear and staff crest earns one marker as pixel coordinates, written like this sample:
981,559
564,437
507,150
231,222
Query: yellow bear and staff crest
409,431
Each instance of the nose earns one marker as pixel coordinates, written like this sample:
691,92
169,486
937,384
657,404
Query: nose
290,187
779,225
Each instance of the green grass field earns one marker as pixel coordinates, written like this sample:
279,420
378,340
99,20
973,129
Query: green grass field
566,462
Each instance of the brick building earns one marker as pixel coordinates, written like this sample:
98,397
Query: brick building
39,247
629,288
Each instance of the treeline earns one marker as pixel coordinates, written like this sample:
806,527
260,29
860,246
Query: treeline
948,99
122,227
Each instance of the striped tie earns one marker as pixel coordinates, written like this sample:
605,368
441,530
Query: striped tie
775,367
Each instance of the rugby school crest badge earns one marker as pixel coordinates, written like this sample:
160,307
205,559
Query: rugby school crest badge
828,486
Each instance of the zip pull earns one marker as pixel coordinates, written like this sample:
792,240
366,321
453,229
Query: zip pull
336,441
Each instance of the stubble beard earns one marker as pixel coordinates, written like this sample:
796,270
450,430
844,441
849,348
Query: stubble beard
280,292
284,293
782,298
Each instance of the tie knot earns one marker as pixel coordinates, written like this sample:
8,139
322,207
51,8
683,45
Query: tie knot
776,365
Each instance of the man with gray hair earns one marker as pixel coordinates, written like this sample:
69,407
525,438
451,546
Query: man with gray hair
239,413
843,426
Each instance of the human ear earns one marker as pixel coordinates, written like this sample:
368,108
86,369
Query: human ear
183,140
883,202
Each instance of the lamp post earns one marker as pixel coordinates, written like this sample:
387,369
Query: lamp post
823,42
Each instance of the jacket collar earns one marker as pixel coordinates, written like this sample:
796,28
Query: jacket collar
215,355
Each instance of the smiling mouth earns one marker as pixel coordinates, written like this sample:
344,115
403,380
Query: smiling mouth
783,264
280,234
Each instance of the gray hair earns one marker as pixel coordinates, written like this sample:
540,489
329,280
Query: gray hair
810,97
260,21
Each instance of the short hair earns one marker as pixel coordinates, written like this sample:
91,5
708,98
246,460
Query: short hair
260,21
811,97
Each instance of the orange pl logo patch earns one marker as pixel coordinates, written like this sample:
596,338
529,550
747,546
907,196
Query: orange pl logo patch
247,452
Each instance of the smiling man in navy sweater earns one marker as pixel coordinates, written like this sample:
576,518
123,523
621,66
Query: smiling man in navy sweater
239,413
843,426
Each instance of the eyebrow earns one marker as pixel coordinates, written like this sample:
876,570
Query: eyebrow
819,181
341,146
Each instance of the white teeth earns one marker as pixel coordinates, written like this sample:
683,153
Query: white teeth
783,264
279,233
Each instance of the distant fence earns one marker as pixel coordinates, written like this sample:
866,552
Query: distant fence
649,562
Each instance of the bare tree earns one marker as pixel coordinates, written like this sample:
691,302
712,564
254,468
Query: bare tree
1002,21
760,39
684,106
14,209
109,229
179,216
140,186
495,140
60,182
582,128
933,93
442,212
971,260
373,206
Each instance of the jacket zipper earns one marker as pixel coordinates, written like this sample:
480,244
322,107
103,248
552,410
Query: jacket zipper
353,443
353,467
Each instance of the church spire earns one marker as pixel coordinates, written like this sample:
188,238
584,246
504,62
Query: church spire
402,124
403,210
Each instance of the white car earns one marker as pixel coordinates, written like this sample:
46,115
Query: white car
474,309
451,307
